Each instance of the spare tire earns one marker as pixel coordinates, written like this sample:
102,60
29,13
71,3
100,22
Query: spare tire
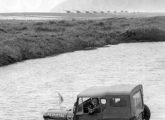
146,113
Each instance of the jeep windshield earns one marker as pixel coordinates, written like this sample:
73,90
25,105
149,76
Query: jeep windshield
82,105
85,103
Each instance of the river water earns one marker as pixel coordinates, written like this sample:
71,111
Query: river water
29,88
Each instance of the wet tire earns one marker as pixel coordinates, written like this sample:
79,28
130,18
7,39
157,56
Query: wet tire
146,113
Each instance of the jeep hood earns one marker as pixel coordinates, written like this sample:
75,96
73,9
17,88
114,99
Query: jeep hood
54,114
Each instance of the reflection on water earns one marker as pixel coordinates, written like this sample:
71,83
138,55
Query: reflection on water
29,88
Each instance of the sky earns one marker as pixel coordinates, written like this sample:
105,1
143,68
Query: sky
28,5
114,5
49,5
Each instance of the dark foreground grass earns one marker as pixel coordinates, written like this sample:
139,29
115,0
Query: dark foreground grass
21,40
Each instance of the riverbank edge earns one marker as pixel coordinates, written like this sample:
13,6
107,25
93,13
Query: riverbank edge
22,40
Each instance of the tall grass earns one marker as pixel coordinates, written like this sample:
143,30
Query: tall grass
21,40
144,34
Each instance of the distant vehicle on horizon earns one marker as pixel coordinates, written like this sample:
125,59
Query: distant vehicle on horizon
77,11
68,11
94,12
102,12
86,11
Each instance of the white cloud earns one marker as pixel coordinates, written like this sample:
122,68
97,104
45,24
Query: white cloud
31,5
28,5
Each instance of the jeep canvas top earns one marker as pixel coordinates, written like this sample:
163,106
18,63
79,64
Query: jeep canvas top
100,91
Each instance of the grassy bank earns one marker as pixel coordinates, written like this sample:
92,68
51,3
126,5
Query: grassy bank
21,40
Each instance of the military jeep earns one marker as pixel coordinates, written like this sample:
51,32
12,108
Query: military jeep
118,102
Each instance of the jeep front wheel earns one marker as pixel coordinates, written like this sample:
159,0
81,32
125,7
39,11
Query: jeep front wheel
146,113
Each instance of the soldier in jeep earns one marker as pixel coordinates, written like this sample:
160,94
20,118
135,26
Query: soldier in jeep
94,107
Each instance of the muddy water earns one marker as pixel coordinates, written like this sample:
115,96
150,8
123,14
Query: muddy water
29,88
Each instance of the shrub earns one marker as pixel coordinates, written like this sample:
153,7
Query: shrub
144,34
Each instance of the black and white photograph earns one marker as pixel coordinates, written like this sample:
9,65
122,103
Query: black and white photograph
82,59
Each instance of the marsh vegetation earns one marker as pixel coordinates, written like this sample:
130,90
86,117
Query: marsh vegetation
22,40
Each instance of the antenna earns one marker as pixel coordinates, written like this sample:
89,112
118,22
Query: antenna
61,100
